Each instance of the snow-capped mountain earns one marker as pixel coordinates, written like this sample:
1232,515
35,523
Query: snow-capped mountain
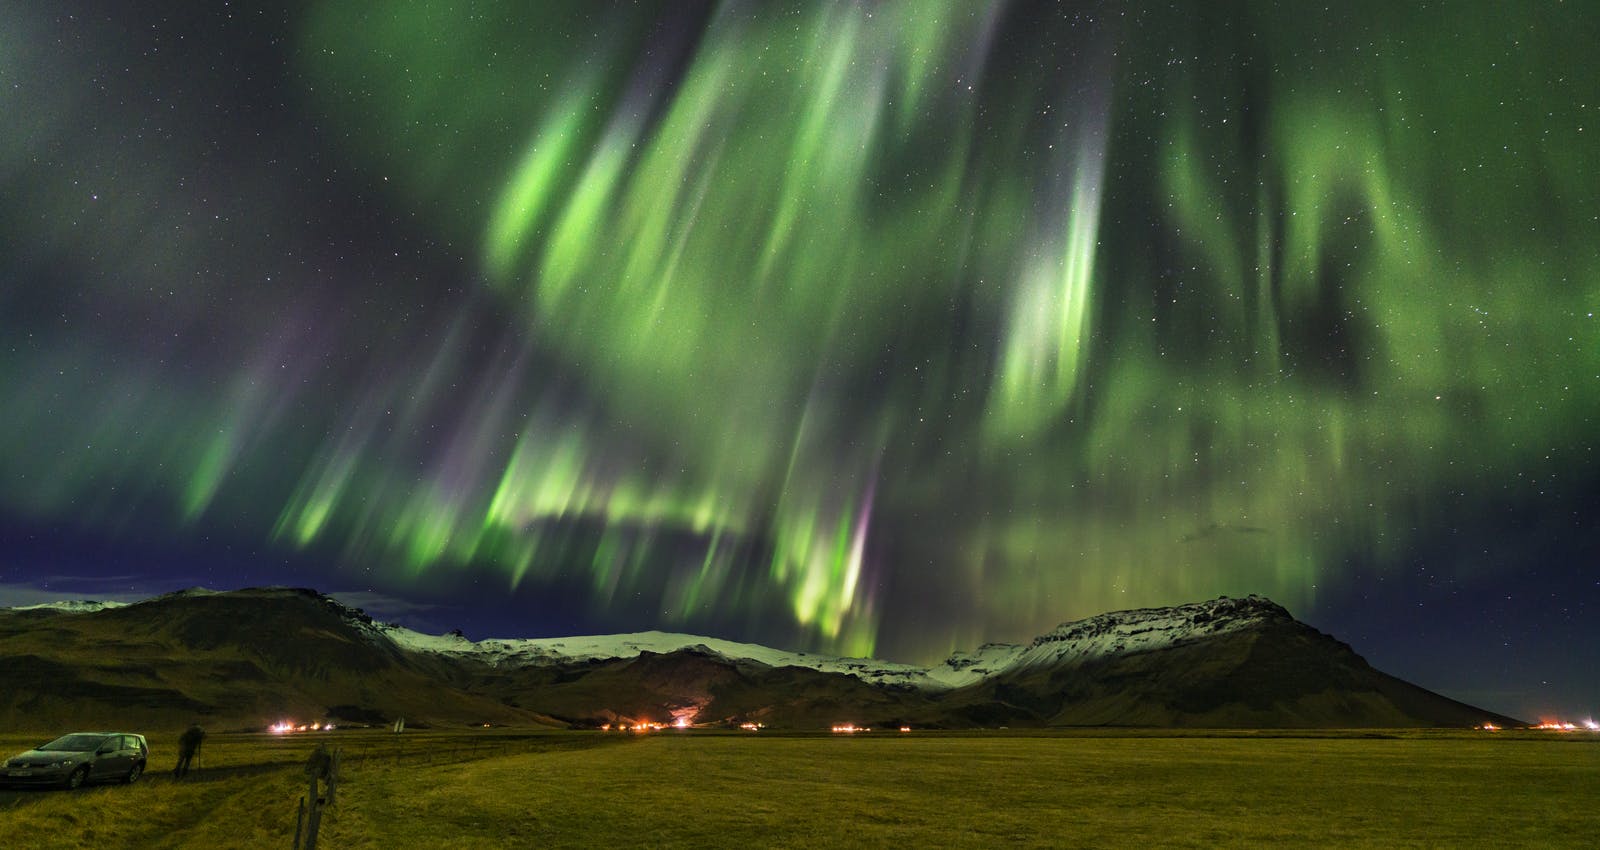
256,656
1120,632
550,651
1146,629
76,606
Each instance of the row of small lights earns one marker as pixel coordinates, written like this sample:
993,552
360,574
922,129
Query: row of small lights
1552,726
645,726
285,727
683,723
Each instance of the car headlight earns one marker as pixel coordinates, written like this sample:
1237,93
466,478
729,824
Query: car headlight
62,763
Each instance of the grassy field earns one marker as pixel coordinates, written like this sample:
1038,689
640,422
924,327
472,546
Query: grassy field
497,789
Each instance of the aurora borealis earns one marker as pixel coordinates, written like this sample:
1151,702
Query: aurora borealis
866,327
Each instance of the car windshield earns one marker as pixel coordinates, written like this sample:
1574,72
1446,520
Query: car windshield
75,744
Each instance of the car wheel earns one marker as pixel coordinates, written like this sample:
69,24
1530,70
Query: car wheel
76,778
134,772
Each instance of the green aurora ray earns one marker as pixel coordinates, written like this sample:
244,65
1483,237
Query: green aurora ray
922,321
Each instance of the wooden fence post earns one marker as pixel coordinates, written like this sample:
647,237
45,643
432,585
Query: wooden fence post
333,776
315,820
299,822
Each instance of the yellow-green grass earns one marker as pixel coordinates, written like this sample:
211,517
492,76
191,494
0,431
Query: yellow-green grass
245,790
255,810
921,789
261,749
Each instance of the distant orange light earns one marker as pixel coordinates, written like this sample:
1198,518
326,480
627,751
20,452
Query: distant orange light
905,728
850,729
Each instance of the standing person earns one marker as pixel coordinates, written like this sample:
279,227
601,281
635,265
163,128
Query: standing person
188,747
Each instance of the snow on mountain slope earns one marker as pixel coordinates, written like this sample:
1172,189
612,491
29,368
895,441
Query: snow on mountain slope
538,651
1120,632
1115,633
1145,629
966,668
71,606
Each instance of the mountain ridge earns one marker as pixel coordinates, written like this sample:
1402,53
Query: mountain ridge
256,652
1120,630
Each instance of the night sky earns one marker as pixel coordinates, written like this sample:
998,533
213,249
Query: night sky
880,328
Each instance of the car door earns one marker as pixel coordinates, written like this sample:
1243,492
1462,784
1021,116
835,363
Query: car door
129,755
111,759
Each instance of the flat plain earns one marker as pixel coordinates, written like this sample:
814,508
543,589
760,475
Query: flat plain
500,788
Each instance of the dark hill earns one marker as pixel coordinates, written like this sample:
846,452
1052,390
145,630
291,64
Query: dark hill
1277,673
249,658
703,686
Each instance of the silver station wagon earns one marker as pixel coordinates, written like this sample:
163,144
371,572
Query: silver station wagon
73,760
